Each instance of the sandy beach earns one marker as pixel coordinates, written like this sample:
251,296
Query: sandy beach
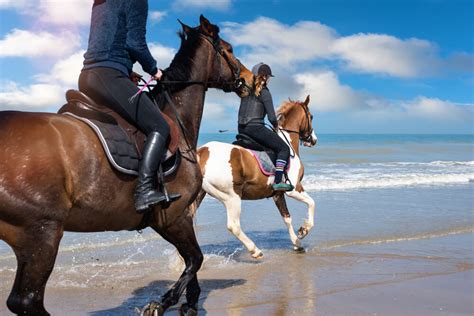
370,279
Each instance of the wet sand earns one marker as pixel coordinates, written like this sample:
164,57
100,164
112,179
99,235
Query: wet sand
394,278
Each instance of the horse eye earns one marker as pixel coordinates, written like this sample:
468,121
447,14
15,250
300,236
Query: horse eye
231,49
311,116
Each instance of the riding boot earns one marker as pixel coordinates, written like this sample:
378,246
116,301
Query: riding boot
146,193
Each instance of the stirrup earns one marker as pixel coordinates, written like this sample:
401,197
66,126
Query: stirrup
169,198
283,186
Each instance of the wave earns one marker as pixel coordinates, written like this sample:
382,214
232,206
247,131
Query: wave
393,239
436,163
351,181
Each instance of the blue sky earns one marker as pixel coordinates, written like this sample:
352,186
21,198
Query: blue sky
369,66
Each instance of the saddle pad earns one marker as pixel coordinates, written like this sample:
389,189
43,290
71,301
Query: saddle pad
264,162
120,151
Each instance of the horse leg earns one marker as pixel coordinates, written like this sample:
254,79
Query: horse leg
181,235
309,222
280,202
36,253
233,206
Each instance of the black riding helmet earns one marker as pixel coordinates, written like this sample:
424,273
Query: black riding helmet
262,69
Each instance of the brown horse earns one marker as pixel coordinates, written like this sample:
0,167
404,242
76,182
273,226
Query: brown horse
55,177
232,174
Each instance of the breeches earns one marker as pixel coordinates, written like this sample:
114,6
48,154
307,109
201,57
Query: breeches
113,89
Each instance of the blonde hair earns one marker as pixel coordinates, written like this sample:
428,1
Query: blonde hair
259,83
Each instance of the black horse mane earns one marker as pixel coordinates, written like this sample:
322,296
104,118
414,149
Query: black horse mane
181,65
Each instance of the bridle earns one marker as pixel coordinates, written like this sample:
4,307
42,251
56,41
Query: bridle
307,134
238,82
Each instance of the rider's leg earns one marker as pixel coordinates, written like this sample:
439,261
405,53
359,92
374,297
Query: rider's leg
270,139
114,89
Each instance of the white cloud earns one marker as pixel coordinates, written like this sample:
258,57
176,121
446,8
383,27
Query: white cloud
65,71
297,45
47,92
70,12
33,97
162,54
201,4
384,54
77,12
156,16
433,108
21,43
280,44
328,93
13,4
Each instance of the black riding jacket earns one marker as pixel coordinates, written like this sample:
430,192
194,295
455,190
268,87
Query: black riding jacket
254,108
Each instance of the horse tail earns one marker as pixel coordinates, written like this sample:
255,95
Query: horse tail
197,202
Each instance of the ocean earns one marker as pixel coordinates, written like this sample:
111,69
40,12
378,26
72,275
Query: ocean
394,214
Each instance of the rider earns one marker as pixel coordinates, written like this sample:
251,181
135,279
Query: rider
116,41
252,111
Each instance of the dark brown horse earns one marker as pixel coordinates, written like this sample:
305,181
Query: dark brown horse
55,177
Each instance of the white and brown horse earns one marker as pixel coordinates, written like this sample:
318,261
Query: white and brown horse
232,174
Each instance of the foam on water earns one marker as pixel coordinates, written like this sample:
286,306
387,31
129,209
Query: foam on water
345,176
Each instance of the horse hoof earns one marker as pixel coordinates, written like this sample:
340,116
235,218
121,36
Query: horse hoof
299,249
185,310
153,309
257,255
302,232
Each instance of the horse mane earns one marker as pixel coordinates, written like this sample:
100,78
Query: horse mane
181,65
285,108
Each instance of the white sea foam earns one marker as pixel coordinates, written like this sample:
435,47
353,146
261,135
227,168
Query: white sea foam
320,183
387,175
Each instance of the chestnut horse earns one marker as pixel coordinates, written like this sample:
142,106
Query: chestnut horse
55,177
232,174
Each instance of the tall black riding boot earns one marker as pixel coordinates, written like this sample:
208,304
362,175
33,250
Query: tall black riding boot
146,193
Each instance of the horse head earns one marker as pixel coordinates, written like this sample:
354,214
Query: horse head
225,71
296,117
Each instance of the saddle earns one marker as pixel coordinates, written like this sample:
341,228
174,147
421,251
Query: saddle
244,140
266,158
122,141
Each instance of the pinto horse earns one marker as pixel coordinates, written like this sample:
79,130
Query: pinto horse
232,174
55,177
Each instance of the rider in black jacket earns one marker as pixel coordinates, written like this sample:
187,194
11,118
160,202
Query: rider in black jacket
252,111
117,40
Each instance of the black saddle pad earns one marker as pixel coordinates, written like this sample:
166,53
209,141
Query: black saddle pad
119,149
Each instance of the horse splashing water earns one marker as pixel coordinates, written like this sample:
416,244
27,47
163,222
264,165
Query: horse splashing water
55,177
231,174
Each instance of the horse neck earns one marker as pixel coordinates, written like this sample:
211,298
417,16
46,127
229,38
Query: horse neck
190,100
294,137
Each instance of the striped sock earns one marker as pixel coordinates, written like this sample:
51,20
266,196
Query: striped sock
280,168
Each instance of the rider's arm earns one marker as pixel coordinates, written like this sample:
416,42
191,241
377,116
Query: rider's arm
267,100
136,35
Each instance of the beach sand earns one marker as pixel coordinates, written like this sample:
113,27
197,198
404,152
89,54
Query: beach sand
366,279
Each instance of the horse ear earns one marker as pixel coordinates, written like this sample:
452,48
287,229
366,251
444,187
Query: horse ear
307,100
208,28
186,29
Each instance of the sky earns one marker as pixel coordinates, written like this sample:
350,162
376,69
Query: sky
381,66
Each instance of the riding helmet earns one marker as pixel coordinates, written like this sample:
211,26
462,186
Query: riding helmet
262,69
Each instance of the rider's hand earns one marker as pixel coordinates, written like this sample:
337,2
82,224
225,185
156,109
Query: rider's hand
158,75
135,77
